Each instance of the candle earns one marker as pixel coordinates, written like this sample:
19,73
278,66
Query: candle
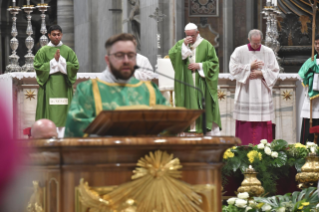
275,4
42,1
28,2
14,3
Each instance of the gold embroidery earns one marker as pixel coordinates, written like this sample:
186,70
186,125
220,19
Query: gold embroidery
152,93
97,97
121,84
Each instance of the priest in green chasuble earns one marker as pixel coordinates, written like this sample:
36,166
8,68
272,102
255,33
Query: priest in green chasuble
56,66
116,87
195,62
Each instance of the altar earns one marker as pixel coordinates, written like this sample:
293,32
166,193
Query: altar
21,98
288,96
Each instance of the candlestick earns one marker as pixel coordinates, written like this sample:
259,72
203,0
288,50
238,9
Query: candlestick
43,8
14,43
28,67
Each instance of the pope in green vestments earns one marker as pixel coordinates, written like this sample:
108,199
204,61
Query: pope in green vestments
197,65
56,67
116,87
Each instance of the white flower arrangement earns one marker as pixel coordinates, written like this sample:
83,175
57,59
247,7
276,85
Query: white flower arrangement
266,207
252,202
261,146
241,203
243,195
248,208
312,146
274,154
268,150
231,201
264,141
282,209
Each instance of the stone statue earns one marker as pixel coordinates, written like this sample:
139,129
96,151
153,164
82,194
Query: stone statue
134,19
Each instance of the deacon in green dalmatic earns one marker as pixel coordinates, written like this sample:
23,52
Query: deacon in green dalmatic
56,67
195,62
116,87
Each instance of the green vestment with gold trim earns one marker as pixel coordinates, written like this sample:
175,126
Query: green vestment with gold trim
188,97
93,96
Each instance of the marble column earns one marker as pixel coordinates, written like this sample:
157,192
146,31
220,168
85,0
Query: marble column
94,22
249,15
148,30
65,18
227,32
179,12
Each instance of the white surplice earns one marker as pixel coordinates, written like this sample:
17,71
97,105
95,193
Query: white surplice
253,97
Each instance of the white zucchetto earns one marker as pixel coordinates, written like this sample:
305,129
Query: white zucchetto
190,26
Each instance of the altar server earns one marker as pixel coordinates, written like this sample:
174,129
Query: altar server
56,67
117,87
309,73
255,68
195,62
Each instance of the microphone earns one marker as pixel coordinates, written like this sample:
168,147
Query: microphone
189,85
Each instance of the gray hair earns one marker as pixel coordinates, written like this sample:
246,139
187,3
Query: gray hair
255,32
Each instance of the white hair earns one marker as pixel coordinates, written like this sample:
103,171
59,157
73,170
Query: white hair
255,32
191,26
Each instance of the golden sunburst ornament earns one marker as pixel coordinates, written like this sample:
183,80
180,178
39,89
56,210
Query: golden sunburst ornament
30,95
155,187
286,95
221,95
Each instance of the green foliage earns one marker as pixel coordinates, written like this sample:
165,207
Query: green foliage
270,167
300,201
232,208
279,145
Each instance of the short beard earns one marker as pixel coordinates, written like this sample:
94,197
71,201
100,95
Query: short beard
118,74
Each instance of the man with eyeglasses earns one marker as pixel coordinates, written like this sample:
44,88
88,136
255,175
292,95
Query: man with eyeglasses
118,87
195,62
56,66
255,68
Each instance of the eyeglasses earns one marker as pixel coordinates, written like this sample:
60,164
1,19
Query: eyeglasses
121,55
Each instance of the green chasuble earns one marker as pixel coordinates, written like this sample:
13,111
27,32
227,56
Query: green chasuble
189,97
55,86
306,72
93,96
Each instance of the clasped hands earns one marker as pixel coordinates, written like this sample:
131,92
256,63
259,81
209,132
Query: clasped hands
193,67
255,73
57,55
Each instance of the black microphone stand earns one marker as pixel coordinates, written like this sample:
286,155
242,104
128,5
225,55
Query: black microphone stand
185,83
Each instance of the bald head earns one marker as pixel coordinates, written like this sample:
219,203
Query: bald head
43,128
